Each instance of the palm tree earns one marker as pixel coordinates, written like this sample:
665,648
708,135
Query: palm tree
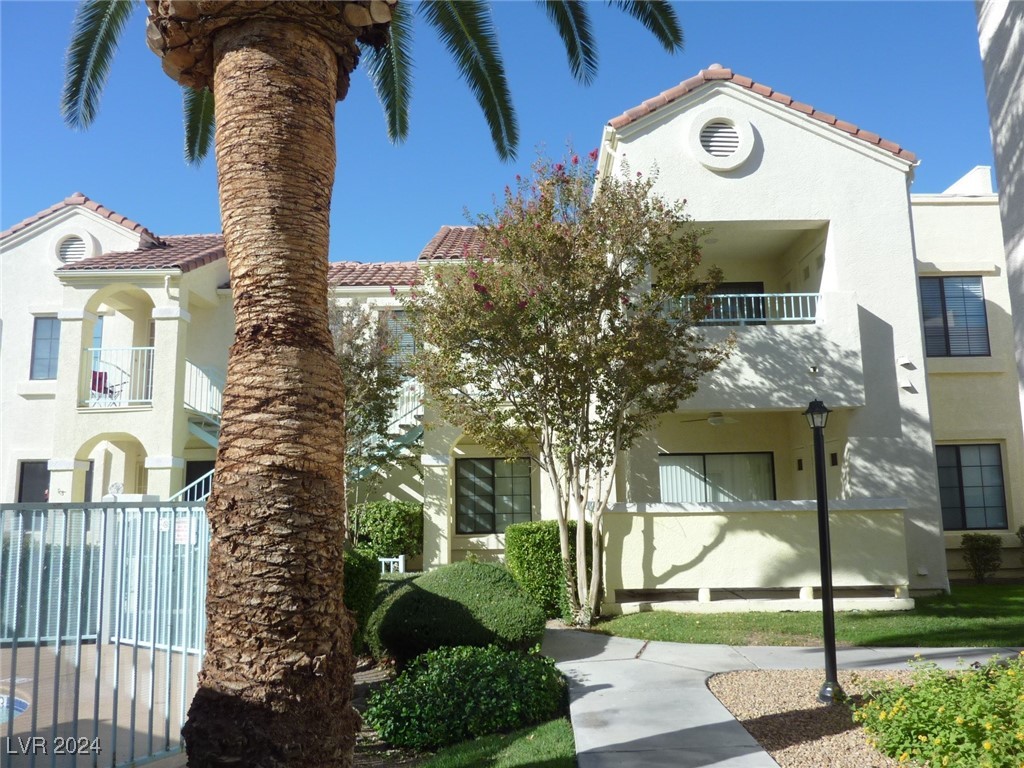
276,684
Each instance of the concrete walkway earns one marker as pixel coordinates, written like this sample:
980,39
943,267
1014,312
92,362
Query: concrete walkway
637,703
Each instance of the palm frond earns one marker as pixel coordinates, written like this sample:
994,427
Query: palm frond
659,17
466,29
94,36
198,124
572,21
390,71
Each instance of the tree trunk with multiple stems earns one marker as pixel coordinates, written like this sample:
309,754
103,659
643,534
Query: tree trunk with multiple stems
276,685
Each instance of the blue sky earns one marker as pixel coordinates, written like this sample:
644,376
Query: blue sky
910,72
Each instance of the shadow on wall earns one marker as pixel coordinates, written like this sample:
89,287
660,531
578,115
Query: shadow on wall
782,547
1004,70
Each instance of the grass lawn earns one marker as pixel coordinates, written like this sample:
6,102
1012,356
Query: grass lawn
987,615
550,745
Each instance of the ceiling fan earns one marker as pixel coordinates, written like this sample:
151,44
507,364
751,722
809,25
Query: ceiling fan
715,419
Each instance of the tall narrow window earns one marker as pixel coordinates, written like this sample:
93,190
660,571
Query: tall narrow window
971,487
491,494
955,324
45,348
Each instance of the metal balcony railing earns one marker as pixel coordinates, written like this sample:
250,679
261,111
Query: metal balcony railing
117,377
761,308
204,389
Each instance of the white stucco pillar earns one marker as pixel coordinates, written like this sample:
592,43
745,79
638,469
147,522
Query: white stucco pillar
165,475
67,480
71,374
169,383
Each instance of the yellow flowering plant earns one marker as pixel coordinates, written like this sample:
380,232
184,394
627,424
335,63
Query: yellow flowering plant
962,719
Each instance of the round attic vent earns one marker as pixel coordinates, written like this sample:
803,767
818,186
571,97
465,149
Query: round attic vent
720,138
72,249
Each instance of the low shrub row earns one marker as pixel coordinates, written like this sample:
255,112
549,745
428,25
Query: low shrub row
454,694
388,528
362,574
534,556
967,719
463,604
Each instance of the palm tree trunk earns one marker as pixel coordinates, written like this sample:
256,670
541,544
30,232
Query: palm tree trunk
277,680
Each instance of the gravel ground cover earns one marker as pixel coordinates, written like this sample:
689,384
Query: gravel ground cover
780,709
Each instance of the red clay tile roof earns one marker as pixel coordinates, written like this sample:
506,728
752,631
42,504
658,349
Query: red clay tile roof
452,243
77,198
716,73
183,252
392,273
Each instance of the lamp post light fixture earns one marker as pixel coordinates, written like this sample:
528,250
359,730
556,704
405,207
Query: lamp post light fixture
817,417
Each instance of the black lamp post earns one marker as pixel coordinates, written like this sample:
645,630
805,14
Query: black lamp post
817,416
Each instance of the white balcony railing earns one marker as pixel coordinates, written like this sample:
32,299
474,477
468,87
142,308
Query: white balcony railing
408,406
204,389
761,308
117,377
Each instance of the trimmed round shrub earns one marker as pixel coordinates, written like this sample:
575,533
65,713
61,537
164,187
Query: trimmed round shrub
534,557
464,603
388,528
456,694
362,573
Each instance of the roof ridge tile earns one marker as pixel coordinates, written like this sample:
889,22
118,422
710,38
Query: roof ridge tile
718,73
77,198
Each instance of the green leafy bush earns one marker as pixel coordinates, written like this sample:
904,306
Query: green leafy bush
982,553
388,528
966,719
456,694
534,557
362,573
460,604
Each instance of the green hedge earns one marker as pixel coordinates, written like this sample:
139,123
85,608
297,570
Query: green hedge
983,554
456,694
388,528
464,603
534,557
362,574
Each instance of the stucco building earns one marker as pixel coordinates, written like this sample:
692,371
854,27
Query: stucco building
892,308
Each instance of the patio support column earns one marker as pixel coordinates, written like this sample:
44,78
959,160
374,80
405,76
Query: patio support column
71,373
165,475
67,480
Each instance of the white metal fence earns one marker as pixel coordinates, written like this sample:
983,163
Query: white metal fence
101,630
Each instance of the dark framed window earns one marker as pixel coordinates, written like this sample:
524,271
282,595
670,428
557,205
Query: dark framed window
491,494
45,348
715,477
955,323
971,487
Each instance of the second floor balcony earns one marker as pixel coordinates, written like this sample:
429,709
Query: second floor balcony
124,377
117,377
743,309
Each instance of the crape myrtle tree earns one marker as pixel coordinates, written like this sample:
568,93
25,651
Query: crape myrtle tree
568,334
366,346
276,685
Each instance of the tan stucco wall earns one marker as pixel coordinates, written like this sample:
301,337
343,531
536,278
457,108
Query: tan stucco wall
975,399
28,288
753,546
819,179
